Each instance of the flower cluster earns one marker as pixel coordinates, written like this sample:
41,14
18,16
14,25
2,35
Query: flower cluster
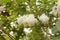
2,8
44,18
28,20
56,9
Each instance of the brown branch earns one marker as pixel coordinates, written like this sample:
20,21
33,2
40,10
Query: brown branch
7,34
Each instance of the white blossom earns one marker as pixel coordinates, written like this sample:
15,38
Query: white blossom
26,3
12,24
20,20
37,3
11,33
28,8
2,8
28,20
1,31
54,23
54,19
44,18
27,30
4,27
56,9
50,31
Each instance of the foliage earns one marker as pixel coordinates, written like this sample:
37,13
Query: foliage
11,30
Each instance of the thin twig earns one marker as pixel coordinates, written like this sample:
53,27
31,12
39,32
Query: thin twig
7,34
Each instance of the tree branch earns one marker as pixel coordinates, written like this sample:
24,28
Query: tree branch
7,34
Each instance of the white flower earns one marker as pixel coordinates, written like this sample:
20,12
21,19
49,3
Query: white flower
28,8
50,31
20,20
27,30
11,33
43,18
29,20
54,23
37,3
4,27
54,19
2,8
26,3
58,2
12,24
